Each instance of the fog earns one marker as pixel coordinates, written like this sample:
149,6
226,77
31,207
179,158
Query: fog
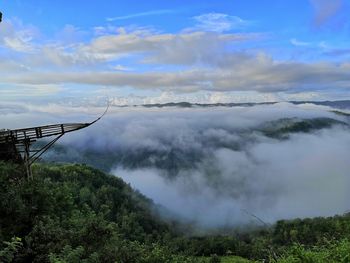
305,176
215,166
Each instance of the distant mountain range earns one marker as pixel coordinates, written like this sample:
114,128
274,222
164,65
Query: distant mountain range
340,104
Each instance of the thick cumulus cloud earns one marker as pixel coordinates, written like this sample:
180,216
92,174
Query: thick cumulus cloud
217,165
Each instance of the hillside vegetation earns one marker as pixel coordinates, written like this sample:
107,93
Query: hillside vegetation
74,213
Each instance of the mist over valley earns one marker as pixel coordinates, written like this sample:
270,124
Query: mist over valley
218,166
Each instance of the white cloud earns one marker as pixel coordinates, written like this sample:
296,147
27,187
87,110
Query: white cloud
182,48
18,43
298,43
17,37
218,22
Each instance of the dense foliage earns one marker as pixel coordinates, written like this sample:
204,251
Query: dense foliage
74,213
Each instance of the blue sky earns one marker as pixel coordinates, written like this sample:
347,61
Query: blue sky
160,51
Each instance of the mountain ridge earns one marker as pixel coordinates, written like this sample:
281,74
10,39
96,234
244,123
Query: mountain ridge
340,104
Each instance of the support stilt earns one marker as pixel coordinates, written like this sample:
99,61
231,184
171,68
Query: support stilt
27,159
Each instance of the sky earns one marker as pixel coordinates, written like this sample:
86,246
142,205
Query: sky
134,52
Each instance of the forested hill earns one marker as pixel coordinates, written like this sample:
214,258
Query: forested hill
74,213
340,104
77,211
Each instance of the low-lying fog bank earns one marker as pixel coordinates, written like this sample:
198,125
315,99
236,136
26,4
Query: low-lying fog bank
216,165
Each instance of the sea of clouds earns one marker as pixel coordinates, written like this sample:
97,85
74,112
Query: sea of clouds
213,166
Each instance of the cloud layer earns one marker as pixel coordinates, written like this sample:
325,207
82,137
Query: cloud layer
212,166
211,56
